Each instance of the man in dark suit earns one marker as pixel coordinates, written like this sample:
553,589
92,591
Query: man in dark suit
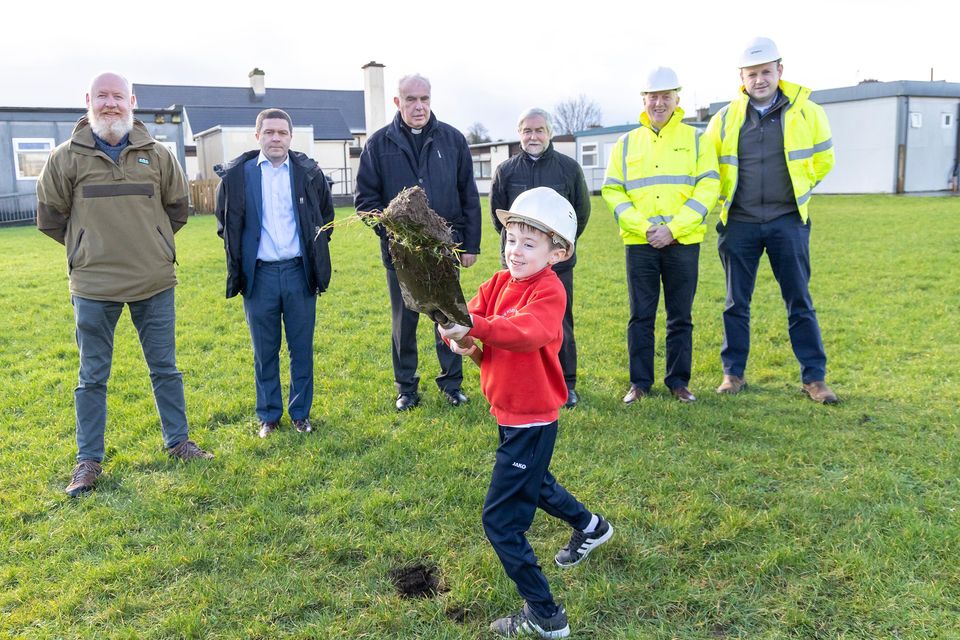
416,149
271,206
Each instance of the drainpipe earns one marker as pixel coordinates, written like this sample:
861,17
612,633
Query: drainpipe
902,145
955,180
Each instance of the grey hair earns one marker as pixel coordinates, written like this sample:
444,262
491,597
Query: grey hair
533,112
411,77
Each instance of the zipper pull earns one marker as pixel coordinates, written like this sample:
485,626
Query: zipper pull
438,154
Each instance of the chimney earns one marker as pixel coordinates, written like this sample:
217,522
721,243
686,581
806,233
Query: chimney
374,99
257,83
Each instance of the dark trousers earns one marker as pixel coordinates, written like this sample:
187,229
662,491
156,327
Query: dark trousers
280,295
520,483
404,348
155,321
568,348
787,242
677,266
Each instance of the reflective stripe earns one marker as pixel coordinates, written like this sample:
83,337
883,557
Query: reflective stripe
696,141
708,174
655,180
823,146
620,208
723,123
731,160
802,199
609,181
799,154
696,206
659,219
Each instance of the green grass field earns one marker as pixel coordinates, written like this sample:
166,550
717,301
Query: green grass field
757,516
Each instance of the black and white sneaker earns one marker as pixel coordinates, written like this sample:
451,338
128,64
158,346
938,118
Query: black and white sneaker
581,544
527,623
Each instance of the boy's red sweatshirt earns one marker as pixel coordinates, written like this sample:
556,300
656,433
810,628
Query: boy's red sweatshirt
520,325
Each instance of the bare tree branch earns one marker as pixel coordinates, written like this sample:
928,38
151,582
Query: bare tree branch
576,114
477,133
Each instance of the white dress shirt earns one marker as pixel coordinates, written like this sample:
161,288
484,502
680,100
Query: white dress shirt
278,233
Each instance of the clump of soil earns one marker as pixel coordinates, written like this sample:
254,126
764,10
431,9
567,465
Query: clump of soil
417,581
425,256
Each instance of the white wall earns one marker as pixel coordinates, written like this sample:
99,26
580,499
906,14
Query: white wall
865,143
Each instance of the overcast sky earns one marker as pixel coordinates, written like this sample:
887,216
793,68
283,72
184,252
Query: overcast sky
487,60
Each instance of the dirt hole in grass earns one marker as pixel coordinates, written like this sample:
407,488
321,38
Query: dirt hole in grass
457,614
417,581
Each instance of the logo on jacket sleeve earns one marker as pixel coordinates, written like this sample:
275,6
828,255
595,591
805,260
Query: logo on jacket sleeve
143,161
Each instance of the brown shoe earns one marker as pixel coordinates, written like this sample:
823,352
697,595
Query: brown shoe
732,385
84,477
820,392
635,393
303,426
683,394
188,450
266,428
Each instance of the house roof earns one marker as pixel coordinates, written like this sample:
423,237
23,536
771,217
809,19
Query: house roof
328,124
871,90
349,103
599,131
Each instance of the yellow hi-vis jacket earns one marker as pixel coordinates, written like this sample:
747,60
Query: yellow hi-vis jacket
807,144
667,178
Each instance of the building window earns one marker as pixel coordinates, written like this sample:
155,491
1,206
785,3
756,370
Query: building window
946,120
29,156
589,156
481,168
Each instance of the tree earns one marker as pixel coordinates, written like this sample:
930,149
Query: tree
576,114
477,133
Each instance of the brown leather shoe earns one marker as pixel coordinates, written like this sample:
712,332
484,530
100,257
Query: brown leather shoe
635,393
188,450
820,392
303,426
683,394
732,385
84,477
266,428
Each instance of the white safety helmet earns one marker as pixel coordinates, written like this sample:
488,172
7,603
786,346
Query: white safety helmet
661,79
760,50
544,209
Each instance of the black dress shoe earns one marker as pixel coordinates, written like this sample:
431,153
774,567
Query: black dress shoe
572,399
407,401
455,397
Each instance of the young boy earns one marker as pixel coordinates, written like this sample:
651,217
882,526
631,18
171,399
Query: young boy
517,315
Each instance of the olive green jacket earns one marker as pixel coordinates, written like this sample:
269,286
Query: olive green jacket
116,220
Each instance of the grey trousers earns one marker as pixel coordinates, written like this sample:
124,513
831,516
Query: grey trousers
154,319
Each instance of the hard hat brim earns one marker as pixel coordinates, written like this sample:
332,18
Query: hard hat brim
505,216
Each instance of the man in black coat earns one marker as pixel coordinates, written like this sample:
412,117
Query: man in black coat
271,206
540,165
416,149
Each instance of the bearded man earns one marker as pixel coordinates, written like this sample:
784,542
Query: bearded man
114,197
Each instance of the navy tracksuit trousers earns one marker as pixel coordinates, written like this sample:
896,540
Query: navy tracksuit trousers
520,483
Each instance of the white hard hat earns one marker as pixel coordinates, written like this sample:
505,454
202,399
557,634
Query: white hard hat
760,50
544,209
661,79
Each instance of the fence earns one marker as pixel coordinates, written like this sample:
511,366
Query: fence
18,208
203,193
